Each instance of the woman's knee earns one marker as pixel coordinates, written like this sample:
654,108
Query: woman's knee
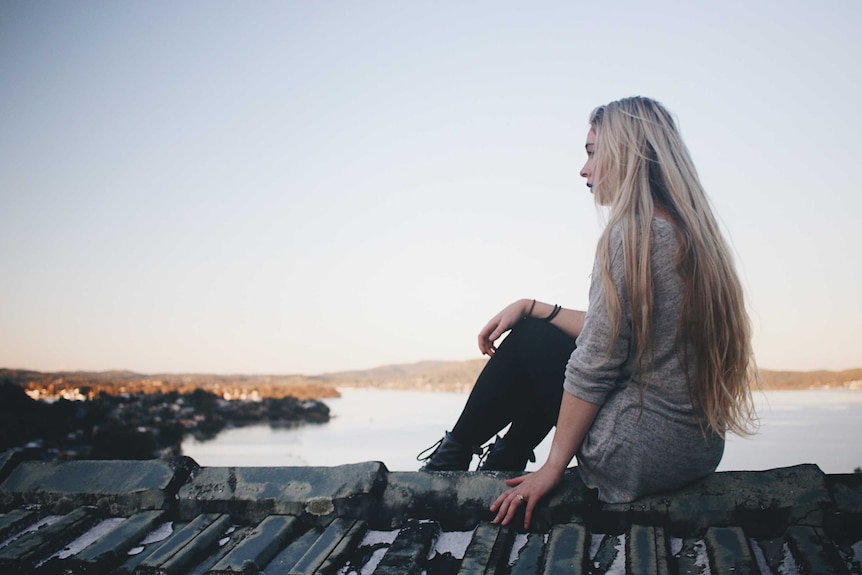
536,336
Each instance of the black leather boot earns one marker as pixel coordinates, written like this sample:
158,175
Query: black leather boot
503,456
449,455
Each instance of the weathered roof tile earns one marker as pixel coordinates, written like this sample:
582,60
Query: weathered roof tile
116,487
729,550
529,556
567,549
259,547
114,545
406,553
295,550
646,550
147,517
488,550
185,546
252,493
813,551
26,552
340,534
15,521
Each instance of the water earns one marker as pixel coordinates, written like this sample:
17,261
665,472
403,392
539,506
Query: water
822,427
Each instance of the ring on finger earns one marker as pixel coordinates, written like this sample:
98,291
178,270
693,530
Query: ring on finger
520,497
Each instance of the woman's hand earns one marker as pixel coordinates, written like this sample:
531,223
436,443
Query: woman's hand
526,490
500,324
576,417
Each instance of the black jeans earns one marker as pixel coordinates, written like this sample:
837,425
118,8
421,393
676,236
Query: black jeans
521,384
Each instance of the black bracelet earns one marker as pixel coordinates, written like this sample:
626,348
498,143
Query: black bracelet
554,313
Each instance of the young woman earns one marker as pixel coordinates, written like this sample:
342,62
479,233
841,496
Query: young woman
663,361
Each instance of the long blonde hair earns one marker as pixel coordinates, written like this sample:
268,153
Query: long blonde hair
642,164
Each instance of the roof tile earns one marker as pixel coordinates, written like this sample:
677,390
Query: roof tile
146,517
260,546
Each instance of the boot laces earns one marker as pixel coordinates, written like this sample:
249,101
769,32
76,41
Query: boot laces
485,450
432,450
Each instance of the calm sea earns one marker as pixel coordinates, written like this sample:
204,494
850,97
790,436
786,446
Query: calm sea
822,427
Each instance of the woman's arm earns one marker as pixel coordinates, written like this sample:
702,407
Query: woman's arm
575,419
570,321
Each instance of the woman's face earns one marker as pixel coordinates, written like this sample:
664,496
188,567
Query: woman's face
588,171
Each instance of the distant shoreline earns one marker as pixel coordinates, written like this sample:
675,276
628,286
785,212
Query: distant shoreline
439,376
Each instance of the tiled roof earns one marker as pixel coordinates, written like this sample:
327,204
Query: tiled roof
174,517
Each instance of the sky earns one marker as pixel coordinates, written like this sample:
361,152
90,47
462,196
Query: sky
307,187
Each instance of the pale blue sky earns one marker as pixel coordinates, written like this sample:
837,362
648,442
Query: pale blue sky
302,187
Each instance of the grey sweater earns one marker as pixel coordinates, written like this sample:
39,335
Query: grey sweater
634,449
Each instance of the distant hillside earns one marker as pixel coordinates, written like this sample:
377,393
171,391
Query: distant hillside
460,375
453,376
849,378
450,376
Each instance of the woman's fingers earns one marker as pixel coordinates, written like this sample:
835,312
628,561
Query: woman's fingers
511,509
508,503
504,507
498,503
486,344
507,506
514,482
495,328
499,324
525,491
528,513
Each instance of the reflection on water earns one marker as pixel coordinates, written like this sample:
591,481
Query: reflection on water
819,427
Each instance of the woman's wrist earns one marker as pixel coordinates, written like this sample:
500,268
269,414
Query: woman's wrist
555,467
530,309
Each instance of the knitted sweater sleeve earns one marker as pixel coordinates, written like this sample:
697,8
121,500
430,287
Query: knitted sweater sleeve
596,367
